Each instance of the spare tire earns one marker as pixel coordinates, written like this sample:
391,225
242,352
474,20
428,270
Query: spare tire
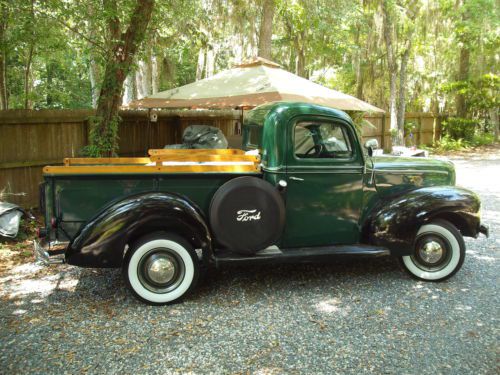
247,214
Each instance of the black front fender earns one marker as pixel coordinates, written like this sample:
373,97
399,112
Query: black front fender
101,242
395,221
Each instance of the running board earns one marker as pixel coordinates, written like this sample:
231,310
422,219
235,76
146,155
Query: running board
298,255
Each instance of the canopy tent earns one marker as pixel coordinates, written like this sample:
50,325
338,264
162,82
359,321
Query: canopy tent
249,85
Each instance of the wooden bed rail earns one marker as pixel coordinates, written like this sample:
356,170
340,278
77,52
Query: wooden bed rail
164,161
198,151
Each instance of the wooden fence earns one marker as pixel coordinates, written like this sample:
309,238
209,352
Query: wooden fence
30,140
427,129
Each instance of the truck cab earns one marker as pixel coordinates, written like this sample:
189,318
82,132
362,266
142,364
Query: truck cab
303,188
317,152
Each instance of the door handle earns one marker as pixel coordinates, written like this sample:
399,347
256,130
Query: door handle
296,178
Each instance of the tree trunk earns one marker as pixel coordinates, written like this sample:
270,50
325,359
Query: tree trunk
493,112
27,71
129,89
49,71
210,63
201,64
104,127
148,66
358,63
463,65
396,132
144,78
300,63
266,29
94,67
139,81
94,76
4,104
155,80
29,59
402,84
463,75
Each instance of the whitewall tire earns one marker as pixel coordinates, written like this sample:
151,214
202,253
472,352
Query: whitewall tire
160,268
438,254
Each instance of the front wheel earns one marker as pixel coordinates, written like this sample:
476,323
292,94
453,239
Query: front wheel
160,268
438,254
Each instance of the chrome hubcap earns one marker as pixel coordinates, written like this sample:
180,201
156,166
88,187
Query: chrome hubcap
431,252
160,269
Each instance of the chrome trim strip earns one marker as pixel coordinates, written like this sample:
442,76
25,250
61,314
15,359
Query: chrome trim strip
326,172
408,171
332,167
274,170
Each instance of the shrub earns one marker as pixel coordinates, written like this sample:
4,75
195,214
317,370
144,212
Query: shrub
447,143
460,128
482,139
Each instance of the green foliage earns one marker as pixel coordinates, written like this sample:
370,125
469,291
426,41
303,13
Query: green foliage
446,143
102,142
360,122
58,71
482,139
460,128
481,93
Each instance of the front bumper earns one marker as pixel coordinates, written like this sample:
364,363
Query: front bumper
45,255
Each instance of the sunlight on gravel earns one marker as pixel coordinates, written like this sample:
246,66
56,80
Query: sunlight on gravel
29,279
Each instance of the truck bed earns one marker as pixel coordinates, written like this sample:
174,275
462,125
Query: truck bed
81,187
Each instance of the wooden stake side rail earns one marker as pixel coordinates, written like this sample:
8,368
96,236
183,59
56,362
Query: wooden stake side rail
101,161
234,161
199,151
206,158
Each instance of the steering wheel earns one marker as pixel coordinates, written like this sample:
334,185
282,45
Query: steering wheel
316,148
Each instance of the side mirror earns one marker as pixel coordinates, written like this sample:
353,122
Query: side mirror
371,145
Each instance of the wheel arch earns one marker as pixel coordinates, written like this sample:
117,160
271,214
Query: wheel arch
103,240
395,221
457,219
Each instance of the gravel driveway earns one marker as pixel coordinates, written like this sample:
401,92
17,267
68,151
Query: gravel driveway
363,316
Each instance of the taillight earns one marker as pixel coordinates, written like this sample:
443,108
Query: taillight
53,222
41,232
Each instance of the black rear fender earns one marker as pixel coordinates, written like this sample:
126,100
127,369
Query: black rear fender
394,222
102,241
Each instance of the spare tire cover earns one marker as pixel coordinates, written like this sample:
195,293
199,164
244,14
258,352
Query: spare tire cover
247,214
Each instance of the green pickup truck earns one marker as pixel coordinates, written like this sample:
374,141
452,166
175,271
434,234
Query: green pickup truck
301,189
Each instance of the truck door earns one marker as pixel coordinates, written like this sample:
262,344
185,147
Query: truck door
324,176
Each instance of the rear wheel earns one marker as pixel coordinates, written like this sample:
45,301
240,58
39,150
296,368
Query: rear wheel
438,254
160,268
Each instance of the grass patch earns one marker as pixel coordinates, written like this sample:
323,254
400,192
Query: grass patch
446,143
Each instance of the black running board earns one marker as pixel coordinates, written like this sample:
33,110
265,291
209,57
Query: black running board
298,255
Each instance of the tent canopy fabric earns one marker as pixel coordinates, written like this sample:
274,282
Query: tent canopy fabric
249,85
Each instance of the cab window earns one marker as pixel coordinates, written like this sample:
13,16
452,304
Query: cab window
322,140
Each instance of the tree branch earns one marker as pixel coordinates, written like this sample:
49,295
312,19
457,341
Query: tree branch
73,29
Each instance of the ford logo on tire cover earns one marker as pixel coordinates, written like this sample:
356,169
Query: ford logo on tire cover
247,215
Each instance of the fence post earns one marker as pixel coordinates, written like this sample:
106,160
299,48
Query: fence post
382,136
86,131
419,143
